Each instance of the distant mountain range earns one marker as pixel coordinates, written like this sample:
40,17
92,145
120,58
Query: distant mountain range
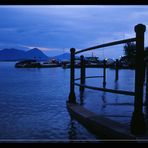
64,56
16,55
12,54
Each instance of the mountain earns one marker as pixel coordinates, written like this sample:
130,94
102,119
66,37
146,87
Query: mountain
17,55
35,53
12,54
64,56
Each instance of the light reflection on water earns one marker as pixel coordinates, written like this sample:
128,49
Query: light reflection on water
33,105
33,102
114,106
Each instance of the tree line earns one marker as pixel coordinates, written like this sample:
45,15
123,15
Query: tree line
130,53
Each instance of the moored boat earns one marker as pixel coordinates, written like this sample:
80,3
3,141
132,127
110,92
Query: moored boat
27,64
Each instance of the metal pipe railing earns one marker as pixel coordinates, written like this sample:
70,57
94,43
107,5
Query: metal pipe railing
106,45
137,122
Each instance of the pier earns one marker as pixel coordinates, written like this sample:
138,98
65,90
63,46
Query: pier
99,124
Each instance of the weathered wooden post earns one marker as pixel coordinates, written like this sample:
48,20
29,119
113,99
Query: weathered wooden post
72,97
104,73
82,73
146,97
138,122
117,70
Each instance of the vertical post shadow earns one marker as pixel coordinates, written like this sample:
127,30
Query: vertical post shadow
117,70
116,86
72,134
104,73
104,100
81,97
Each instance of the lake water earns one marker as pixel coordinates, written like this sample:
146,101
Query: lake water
33,103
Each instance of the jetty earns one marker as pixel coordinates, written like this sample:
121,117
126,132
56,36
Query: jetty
102,126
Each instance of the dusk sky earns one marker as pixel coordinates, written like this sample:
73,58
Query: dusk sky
55,29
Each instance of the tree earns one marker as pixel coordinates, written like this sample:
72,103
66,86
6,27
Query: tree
130,50
130,53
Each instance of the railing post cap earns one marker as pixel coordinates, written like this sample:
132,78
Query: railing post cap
82,56
140,27
72,50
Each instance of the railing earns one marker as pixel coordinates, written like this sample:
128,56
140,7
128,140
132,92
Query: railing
137,121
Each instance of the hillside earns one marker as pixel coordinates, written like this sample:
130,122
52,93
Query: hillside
16,55
65,56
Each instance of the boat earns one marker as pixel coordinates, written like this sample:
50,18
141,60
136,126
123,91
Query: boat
35,64
48,65
28,64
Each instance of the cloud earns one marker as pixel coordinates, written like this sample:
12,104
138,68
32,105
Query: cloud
54,28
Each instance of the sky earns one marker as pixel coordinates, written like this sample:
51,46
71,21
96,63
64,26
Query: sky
55,29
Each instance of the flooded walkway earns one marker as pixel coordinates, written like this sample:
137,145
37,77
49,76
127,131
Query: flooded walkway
115,107
108,129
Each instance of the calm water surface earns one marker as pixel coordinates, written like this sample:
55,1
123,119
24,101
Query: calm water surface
33,102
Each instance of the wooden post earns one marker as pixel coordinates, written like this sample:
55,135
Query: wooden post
138,122
117,70
82,73
104,73
72,97
146,97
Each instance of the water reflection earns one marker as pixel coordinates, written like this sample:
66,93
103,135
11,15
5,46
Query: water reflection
116,86
33,101
104,100
82,97
72,134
